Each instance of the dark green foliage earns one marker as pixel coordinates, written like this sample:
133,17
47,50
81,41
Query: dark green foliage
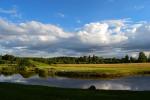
8,57
43,72
0,57
132,60
2,61
126,59
79,60
29,92
142,57
148,58
22,61
92,87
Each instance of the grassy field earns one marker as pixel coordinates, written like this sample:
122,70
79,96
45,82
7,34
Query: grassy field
93,70
103,70
27,92
103,67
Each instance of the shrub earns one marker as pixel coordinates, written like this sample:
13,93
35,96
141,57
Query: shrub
92,87
43,73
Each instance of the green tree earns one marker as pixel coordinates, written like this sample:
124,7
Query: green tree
148,58
142,57
24,63
133,60
0,57
126,59
8,57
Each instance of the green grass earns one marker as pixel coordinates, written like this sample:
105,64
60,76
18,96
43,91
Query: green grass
10,91
93,70
39,64
104,67
103,70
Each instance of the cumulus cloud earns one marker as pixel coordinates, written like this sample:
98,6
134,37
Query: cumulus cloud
139,37
102,34
30,35
107,38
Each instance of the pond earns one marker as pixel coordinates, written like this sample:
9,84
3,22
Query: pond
138,83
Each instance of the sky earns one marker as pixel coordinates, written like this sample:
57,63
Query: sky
47,28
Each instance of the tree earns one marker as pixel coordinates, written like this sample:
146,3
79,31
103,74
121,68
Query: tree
148,58
126,59
133,60
0,57
23,63
8,57
142,57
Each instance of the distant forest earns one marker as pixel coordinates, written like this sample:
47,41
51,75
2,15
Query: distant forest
142,58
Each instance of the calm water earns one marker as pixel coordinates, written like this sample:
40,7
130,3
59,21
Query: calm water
130,83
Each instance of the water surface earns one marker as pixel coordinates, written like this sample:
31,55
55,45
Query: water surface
137,83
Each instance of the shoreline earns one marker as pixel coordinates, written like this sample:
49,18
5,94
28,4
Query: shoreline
98,71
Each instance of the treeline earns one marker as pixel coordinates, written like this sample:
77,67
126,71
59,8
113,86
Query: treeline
93,60
75,60
21,62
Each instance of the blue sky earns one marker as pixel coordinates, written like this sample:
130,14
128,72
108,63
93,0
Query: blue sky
74,27
70,14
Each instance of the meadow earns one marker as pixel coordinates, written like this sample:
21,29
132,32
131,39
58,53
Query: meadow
99,70
102,70
83,70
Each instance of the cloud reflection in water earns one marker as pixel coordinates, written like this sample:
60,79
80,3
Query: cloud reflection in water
130,83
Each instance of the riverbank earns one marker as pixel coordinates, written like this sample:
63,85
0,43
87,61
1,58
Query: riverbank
9,91
100,70
80,70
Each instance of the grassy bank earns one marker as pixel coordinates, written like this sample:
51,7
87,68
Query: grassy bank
27,92
102,70
83,70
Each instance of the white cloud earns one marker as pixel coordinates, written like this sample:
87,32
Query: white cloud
9,11
139,7
61,15
103,33
29,34
13,12
107,38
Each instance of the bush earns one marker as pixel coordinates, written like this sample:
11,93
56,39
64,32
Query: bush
23,63
92,87
43,73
